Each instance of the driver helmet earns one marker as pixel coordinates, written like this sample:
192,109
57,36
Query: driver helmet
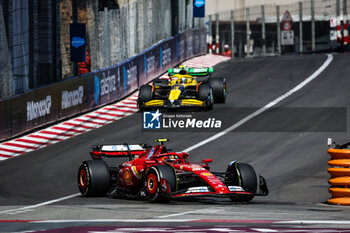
171,158
183,80
183,72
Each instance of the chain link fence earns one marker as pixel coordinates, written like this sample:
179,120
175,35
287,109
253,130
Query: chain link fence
6,88
258,30
35,38
14,48
28,45
114,35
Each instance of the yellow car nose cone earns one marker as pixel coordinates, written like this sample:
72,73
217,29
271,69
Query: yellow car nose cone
174,94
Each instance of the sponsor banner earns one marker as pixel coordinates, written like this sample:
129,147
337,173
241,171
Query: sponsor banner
77,32
199,8
189,44
196,42
181,47
150,67
273,120
167,58
35,108
130,76
80,94
105,86
203,42
73,97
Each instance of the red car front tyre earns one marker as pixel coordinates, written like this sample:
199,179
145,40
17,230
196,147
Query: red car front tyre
160,181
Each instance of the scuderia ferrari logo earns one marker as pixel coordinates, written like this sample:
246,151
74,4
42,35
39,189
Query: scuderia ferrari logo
178,121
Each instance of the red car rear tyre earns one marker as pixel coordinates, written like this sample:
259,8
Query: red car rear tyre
93,178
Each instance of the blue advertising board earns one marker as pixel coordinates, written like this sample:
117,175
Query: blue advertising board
199,8
77,42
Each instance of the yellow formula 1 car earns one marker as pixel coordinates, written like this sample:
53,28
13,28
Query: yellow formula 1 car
186,87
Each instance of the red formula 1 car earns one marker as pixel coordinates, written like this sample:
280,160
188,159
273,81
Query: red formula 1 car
160,175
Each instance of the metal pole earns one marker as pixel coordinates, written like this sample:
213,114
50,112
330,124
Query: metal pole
75,20
338,9
300,27
137,23
95,50
345,13
55,41
217,33
210,36
278,30
338,17
232,34
248,29
345,20
263,33
106,37
338,20
345,9
313,45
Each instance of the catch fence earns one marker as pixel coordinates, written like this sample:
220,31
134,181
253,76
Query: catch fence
259,30
114,35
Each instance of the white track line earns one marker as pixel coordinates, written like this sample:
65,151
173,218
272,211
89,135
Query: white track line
113,220
181,213
266,107
27,208
328,222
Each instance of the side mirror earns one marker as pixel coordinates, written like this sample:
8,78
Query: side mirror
206,161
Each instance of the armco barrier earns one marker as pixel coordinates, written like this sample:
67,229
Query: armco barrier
340,176
75,95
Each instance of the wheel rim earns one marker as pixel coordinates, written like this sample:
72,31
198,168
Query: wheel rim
82,179
151,184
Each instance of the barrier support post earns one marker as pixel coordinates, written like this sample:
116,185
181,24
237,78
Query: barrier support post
313,41
217,34
301,27
263,31
210,35
278,30
248,31
232,34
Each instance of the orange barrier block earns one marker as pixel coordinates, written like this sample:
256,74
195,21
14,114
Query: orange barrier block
339,201
339,153
340,176
340,181
339,192
339,162
338,171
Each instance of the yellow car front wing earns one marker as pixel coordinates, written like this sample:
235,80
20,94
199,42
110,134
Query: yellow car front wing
179,103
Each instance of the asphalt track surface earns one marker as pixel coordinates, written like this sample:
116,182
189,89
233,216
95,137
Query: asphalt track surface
294,162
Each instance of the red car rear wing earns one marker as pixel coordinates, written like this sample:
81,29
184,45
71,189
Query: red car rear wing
124,150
